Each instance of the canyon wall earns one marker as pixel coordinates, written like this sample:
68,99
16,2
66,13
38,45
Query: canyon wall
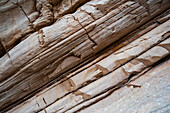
84,56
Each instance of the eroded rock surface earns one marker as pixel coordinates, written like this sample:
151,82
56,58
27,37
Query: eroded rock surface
14,23
67,55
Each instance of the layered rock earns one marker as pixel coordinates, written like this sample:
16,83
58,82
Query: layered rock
14,23
69,34
141,53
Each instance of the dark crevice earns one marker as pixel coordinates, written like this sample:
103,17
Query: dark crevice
50,82
69,11
29,96
3,51
3,2
123,82
19,38
85,31
17,4
44,101
121,85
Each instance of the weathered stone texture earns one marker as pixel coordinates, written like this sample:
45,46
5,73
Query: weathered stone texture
152,96
76,52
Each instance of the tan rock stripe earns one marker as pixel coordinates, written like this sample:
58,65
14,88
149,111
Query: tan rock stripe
41,84
45,54
93,72
135,66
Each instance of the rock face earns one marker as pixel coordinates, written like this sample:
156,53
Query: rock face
84,56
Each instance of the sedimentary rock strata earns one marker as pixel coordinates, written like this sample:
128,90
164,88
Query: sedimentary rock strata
66,55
